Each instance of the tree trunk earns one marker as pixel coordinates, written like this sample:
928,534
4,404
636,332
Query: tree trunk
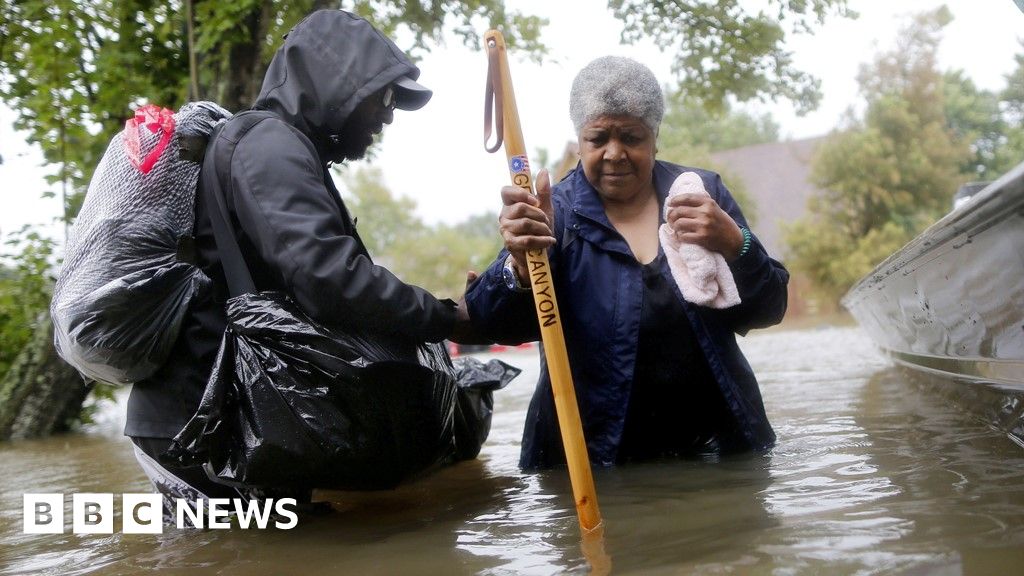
40,394
245,68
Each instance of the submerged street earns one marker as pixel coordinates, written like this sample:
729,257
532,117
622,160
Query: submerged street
875,472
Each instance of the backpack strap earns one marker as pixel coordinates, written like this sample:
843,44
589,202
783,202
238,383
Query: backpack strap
235,270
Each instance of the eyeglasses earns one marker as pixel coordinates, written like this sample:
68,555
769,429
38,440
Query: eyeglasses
388,100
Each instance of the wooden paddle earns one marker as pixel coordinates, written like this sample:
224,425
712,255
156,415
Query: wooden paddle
500,94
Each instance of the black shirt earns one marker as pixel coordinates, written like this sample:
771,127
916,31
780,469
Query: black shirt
675,406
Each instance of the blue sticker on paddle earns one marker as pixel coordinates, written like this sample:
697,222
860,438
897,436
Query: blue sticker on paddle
519,165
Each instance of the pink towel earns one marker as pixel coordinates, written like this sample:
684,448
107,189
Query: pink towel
703,276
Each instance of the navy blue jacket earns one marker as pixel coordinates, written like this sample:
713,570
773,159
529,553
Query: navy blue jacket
599,286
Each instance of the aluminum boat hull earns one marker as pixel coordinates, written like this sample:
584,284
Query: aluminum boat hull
952,300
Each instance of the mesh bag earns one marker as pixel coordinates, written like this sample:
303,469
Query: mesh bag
128,274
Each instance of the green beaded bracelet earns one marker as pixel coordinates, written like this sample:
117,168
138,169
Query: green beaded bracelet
746,241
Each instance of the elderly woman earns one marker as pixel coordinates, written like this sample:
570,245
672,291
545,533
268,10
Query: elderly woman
655,375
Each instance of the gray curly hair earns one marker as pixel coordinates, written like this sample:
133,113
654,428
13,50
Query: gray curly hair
615,85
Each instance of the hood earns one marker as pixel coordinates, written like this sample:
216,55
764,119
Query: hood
329,63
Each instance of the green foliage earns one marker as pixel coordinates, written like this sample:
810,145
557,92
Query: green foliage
25,289
467,19
101,395
974,116
1013,94
891,173
73,69
894,172
433,257
729,47
382,219
992,122
687,123
439,260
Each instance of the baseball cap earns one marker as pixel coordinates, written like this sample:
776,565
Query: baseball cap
410,94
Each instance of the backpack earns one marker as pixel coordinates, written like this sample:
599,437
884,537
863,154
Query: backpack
129,269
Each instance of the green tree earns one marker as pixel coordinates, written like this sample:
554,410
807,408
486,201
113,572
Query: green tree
974,116
729,48
25,289
382,219
1013,94
989,121
688,123
440,259
72,68
433,257
891,173
1012,107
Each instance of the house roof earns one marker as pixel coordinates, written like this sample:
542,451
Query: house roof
777,177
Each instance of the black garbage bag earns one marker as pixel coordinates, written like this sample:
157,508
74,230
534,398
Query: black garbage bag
291,403
474,406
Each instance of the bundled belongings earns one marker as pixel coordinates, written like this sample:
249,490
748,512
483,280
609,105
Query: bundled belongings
128,277
292,403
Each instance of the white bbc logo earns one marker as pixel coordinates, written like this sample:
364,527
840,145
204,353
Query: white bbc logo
142,514
44,513
93,513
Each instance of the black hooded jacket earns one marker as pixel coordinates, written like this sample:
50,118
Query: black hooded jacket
293,228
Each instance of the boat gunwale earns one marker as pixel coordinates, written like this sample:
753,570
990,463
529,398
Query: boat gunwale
996,202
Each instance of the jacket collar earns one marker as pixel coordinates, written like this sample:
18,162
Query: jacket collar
588,218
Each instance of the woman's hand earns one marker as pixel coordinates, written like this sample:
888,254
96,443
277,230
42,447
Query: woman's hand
697,219
526,222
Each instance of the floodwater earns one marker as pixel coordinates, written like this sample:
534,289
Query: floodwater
875,472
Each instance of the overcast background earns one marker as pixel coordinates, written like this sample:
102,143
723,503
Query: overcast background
436,155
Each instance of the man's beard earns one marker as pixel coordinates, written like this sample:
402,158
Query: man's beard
340,148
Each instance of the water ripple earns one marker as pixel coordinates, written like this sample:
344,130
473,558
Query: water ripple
875,472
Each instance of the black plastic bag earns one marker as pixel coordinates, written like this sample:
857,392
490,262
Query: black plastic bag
474,406
293,404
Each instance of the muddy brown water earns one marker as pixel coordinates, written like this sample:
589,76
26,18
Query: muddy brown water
876,472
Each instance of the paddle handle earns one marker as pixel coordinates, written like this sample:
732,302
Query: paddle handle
547,307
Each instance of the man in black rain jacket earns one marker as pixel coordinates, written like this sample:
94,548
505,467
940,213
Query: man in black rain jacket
331,86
